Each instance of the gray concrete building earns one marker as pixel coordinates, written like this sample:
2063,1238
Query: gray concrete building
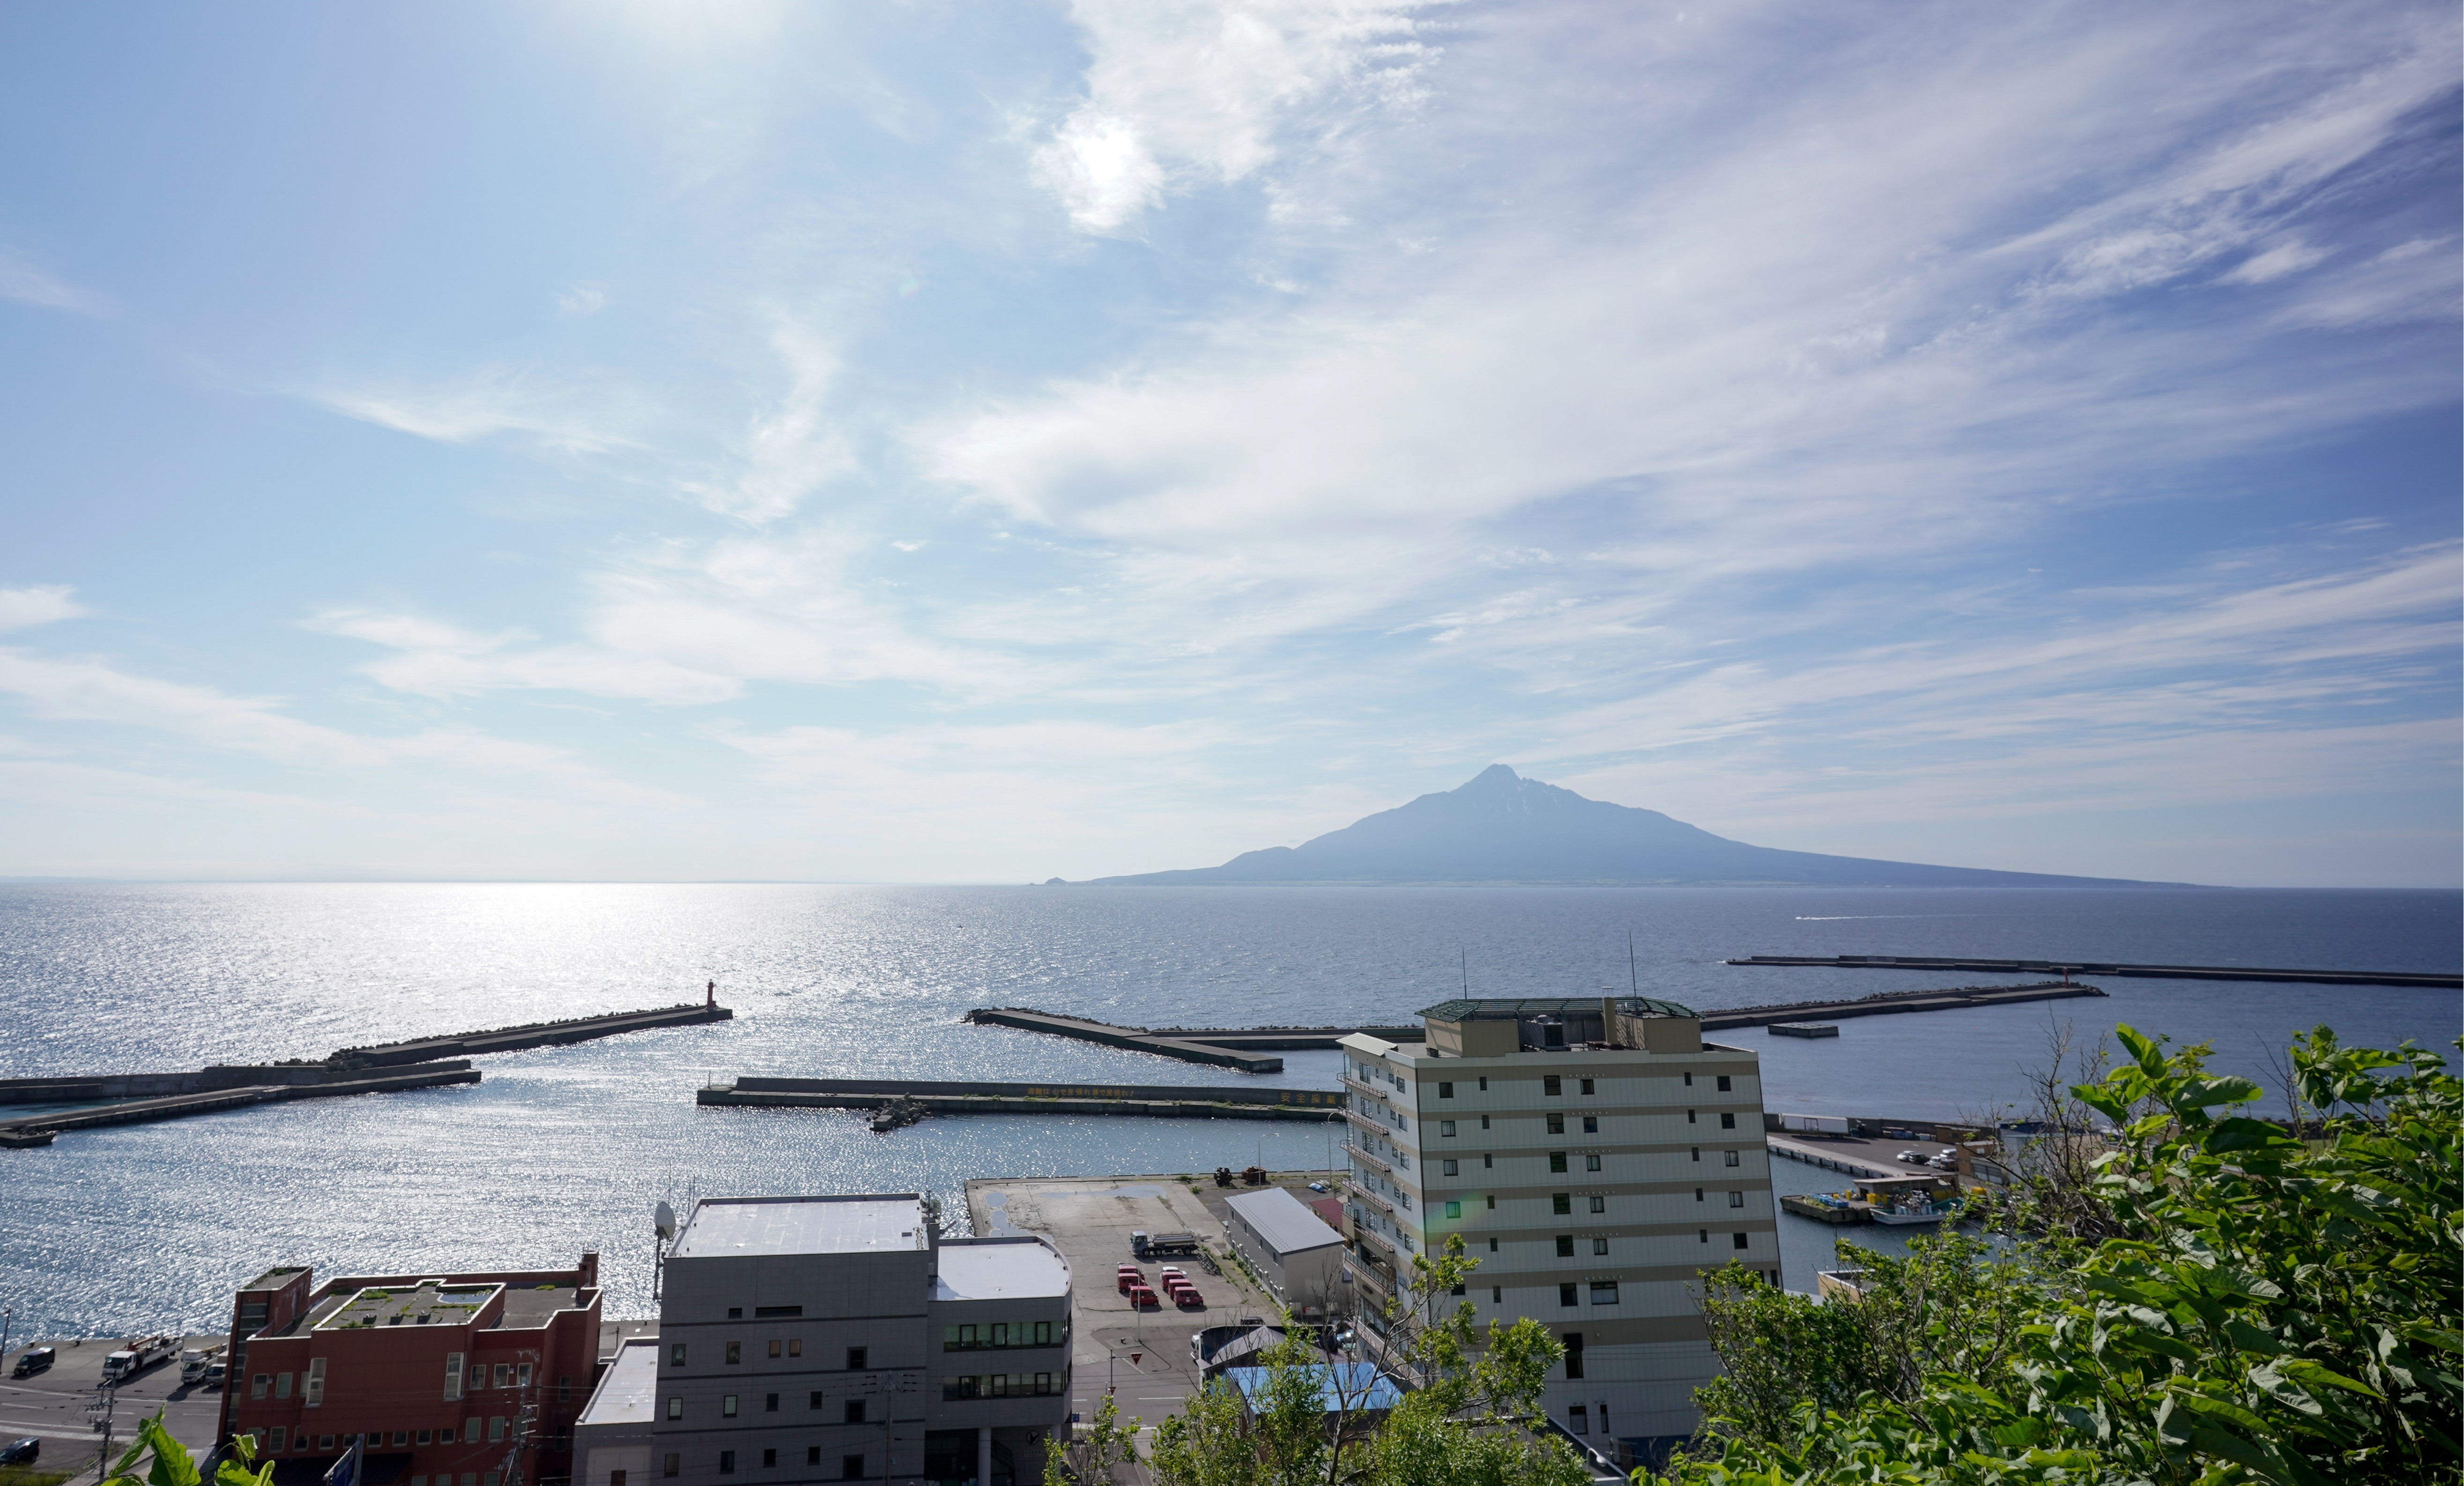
836,1339
1292,1249
1594,1154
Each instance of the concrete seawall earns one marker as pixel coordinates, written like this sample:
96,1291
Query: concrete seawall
183,1106
962,1098
1893,1002
1136,1039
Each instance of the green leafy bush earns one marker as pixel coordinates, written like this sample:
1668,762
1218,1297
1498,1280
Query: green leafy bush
2259,1308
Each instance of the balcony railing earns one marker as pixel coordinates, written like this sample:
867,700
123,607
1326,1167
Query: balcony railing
1374,1201
1367,1158
1362,1087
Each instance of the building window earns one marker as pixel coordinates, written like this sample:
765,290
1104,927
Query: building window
1556,1161
1454,1209
1698,1194
1741,1240
735,1351
615,1478
1690,1081
1564,1246
1484,1083
854,1413
778,1346
1592,1162
815,1400
796,1344
1599,1246
1732,1160
1553,1085
1600,1202
736,1313
1486,1160
312,1389
769,1403
675,1407
1445,1090
453,1375
1587,1086
676,1355
1697,1152
323,1441
504,1375
470,1431
282,1384
1604,1291
1727,1120
400,1438
1590,1124
496,1429
1497,1294
855,1358
812,1455
770,1457
775,1312
1565,1296
1723,1083
727,1406
1690,1117
1703,1235
1561,1203
276,1440
1445,1128
1484,1122
672,1465
1556,1124
727,1462
564,1388
1579,1419
851,1468
1574,1340
1736,1199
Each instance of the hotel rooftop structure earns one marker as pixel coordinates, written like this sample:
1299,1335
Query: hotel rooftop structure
1596,1155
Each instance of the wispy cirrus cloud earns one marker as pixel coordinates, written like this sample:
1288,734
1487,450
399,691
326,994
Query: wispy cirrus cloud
23,608
25,281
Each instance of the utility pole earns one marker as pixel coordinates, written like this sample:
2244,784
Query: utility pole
100,1414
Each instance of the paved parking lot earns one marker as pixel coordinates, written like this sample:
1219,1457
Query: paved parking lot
1090,1219
52,1406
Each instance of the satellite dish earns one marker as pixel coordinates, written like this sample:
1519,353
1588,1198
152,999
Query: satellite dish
663,1219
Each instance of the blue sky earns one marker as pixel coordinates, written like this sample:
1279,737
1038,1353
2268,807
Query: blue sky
940,442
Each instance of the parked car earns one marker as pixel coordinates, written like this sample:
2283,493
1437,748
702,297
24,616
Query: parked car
35,1360
21,1452
215,1373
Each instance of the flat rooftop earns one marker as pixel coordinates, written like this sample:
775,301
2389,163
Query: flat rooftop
742,1227
626,1395
1283,1220
416,1305
999,1270
1479,1010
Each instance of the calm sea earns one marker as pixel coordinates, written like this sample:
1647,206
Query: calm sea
564,1150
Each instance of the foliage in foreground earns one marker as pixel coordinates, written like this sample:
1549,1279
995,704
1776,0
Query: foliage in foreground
168,1463
1471,1419
2256,1308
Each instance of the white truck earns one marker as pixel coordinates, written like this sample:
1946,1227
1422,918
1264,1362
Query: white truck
138,1356
194,1362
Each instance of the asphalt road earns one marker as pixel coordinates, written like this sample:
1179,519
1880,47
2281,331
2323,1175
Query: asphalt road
52,1406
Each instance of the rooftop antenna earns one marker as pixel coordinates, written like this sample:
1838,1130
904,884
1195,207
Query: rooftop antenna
1632,976
1466,970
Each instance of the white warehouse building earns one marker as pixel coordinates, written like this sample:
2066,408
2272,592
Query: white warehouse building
1292,1249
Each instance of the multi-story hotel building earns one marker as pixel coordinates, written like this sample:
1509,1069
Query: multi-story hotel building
1596,1155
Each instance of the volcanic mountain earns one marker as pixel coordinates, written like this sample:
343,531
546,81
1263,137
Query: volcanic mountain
1503,827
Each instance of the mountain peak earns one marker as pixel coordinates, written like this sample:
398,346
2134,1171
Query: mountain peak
1500,826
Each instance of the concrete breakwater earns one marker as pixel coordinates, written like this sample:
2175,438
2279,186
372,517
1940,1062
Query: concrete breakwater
2431,981
419,1063
969,1098
1890,1002
1222,1047
36,1129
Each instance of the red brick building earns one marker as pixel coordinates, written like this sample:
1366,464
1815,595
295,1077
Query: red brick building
454,1380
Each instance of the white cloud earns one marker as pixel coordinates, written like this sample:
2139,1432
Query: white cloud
581,301
22,608
790,448
26,282
1196,90
493,401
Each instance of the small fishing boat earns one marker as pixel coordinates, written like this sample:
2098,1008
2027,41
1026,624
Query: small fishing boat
1915,1208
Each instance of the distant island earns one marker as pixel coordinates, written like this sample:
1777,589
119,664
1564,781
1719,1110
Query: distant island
1503,827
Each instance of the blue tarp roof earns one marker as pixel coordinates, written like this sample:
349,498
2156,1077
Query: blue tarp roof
1353,1385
